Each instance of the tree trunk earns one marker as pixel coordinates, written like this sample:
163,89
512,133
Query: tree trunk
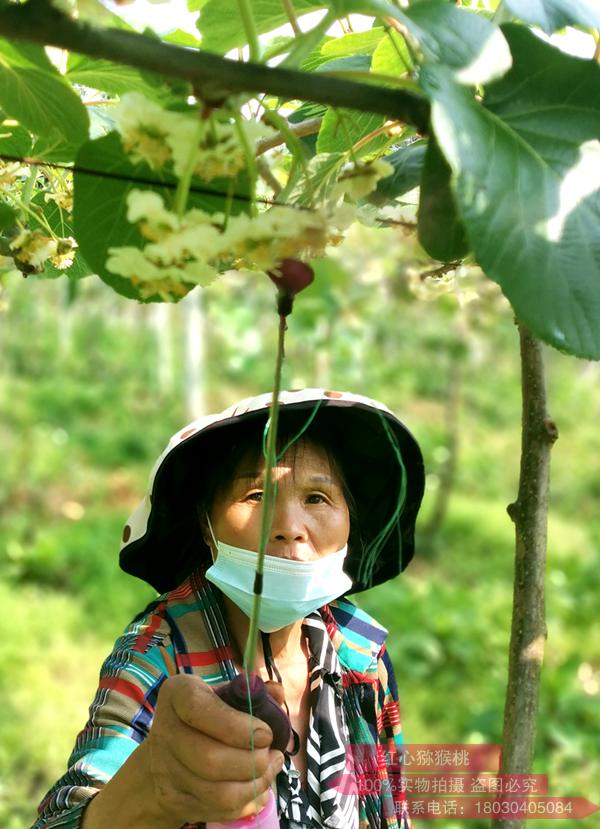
529,514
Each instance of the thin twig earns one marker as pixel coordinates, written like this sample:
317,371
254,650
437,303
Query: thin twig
308,127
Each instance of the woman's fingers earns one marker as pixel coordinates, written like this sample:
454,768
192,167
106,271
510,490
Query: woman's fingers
202,760
199,707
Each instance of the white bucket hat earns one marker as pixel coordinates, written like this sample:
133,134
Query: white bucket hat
380,460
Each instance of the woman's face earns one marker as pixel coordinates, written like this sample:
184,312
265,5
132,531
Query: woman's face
311,517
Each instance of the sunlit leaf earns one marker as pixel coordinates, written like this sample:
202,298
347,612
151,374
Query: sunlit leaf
354,43
14,140
551,15
222,28
352,63
341,129
323,170
391,57
462,39
33,92
527,178
114,78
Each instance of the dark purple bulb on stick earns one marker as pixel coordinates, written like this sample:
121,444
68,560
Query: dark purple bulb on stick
291,276
235,694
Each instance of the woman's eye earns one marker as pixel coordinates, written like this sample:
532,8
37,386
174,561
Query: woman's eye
315,498
255,496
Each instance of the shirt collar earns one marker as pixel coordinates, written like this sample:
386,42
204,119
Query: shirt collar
356,636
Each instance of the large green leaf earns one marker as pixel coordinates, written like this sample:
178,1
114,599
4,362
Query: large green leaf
391,57
15,141
551,15
33,92
222,29
408,166
351,63
341,129
464,40
354,43
527,178
100,208
440,230
114,78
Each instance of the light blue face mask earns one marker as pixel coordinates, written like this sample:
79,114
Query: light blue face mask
291,589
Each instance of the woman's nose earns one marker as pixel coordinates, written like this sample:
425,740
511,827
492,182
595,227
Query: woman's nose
288,528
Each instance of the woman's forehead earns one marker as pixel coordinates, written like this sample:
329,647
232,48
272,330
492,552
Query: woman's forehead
304,457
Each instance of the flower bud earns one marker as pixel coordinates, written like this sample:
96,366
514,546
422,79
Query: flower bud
291,276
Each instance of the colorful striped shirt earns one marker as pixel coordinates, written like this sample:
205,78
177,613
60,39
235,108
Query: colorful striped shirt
184,631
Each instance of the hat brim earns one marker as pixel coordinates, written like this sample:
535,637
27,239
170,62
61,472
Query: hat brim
172,545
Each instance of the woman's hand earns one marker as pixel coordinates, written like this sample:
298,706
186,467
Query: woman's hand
200,756
195,765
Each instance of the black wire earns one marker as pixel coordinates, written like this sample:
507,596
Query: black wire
205,191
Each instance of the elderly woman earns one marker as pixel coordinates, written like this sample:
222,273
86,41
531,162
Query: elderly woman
161,749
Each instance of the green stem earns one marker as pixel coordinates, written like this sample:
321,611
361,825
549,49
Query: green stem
184,183
38,217
245,7
266,516
250,160
293,143
291,16
27,191
305,42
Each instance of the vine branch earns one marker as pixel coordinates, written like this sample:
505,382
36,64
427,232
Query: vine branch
213,77
530,516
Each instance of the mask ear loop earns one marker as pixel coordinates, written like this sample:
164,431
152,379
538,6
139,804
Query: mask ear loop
212,535
272,669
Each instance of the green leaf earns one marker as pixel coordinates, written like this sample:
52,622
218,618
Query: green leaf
440,230
526,171
182,38
94,12
464,40
8,216
323,172
551,15
342,128
391,57
62,225
33,92
222,29
14,140
114,78
408,166
352,63
100,208
355,43
468,42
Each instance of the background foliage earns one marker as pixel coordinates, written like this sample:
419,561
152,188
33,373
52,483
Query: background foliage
89,395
